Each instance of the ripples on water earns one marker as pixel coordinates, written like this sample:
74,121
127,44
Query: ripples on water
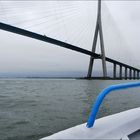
34,108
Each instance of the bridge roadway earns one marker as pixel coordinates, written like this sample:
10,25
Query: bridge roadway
33,35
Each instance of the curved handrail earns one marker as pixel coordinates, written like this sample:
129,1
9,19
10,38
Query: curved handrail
102,95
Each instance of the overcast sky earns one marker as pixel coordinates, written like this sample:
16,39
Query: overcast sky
72,22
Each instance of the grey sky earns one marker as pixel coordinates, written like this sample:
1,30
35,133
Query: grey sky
70,21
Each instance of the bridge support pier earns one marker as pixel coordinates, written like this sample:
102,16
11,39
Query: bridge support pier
130,73
125,73
120,71
134,74
137,74
114,71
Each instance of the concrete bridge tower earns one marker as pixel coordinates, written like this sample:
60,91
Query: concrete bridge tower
98,31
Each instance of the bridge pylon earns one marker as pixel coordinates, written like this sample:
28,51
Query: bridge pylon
98,31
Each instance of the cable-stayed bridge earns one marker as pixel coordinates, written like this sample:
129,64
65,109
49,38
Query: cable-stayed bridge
130,71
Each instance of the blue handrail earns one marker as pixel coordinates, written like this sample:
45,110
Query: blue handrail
102,95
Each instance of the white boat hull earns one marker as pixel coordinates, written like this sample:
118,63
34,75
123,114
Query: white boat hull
117,126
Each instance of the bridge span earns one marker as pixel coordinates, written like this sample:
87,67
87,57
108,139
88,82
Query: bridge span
134,73
129,72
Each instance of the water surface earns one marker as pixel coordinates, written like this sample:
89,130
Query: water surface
34,108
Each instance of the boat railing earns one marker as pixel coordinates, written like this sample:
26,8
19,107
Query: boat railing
101,96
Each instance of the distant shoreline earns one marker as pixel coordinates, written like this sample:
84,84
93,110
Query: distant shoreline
76,78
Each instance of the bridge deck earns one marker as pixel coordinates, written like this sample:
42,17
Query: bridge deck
30,34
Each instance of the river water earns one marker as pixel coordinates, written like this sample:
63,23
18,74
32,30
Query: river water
34,108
